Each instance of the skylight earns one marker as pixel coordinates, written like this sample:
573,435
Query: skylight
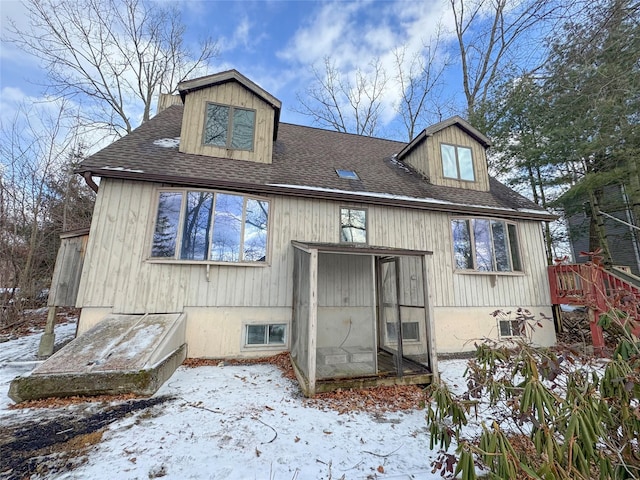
350,174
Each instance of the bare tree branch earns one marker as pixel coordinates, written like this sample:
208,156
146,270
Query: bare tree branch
488,33
344,105
421,83
113,56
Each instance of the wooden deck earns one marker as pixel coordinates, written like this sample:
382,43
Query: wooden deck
600,290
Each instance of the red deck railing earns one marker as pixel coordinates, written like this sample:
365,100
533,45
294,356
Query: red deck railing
598,289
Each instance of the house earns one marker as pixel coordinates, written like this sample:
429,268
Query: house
363,257
622,236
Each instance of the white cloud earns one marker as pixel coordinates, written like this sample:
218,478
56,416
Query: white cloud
355,33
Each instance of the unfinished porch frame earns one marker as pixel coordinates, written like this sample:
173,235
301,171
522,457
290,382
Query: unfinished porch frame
305,322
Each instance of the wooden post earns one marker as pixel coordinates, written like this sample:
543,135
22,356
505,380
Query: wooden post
599,297
313,320
48,339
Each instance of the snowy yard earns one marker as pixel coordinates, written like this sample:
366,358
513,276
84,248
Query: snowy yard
226,422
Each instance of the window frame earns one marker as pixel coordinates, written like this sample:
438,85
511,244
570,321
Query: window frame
517,328
264,346
366,224
509,249
457,159
179,239
347,174
392,335
229,131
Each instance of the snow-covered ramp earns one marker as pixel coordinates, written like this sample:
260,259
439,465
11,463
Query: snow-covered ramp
121,354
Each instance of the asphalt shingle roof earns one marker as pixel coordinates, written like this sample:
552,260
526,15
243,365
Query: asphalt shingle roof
304,163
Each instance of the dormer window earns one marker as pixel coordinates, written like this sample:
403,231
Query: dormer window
457,162
229,127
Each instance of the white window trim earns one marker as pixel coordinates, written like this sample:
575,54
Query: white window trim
263,346
511,320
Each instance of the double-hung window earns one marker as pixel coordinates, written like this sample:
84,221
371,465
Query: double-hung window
457,162
485,245
210,226
229,127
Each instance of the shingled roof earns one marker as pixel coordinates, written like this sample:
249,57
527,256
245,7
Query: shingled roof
304,163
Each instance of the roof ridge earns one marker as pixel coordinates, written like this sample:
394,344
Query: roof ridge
343,133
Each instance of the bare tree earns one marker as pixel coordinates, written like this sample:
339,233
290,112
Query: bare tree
32,153
490,33
342,104
113,56
420,80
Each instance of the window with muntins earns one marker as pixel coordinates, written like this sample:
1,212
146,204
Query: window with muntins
511,328
210,226
229,127
485,245
457,162
353,225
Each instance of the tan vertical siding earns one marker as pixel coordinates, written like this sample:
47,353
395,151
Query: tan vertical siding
116,273
498,290
427,159
234,94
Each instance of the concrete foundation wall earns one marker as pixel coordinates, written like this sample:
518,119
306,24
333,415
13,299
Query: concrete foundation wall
457,329
219,332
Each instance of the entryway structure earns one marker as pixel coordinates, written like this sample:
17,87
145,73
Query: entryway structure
361,317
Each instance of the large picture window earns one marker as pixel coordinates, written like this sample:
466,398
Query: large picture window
457,162
229,127
213,226
485,245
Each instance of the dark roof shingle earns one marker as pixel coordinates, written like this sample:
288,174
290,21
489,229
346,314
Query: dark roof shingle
304,163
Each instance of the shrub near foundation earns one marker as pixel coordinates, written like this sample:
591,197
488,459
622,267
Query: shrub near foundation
556,414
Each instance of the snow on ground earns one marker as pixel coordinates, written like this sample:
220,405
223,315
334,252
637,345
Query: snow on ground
242,422
19,356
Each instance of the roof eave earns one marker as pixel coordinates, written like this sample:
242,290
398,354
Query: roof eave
433,129
188,86
319,194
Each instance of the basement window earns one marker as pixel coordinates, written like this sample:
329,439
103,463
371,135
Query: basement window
410,331
511,328
348,174
271,334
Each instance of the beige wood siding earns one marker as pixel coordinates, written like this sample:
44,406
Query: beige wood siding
501,290
166,100
230,93
116,273
427,159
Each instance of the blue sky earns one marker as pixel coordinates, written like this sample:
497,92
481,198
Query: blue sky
274,42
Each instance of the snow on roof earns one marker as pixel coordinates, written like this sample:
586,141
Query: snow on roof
121,169
167,142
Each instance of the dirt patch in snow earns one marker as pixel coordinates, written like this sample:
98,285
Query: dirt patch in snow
56,442
29,322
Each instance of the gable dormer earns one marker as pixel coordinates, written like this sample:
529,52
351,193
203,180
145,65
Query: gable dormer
227,115
451,153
